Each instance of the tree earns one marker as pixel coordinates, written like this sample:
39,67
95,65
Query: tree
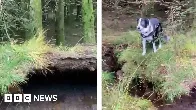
0,6
78,4
70,6
194,14
36,13
88,21
60,37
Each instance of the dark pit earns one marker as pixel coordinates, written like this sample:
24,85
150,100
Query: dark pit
144,89
75,90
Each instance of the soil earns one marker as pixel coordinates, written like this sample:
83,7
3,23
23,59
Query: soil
184,103
115,25
109,59
118,23
64,60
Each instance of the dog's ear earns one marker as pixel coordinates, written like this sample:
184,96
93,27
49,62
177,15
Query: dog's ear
146,21
138,20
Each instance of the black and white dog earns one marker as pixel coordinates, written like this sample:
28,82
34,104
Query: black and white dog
150,30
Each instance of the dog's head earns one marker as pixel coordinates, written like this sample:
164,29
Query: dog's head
142,25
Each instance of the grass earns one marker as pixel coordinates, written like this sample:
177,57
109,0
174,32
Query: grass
17,60
81,50
115,98
170,66
167,69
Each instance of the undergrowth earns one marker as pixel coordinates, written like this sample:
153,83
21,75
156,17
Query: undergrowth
115,98
167,69
18,59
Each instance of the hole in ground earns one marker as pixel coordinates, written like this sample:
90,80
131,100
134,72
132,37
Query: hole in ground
75,89
144,89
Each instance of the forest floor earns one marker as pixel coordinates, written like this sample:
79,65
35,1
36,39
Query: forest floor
73,33
167,80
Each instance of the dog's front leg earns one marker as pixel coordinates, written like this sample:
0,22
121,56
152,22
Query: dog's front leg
144,46
160,43
154,47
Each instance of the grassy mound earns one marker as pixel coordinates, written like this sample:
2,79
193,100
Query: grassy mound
17,60
169,69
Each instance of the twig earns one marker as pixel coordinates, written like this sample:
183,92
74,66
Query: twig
79,41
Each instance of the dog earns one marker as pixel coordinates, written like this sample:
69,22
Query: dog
150,30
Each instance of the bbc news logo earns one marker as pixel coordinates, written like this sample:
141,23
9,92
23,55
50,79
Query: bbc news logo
28,98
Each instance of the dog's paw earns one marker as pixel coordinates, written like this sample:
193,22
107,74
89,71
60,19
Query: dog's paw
160,46
144,53
155,51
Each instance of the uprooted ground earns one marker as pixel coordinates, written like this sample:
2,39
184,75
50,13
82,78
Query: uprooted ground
122,51
18,60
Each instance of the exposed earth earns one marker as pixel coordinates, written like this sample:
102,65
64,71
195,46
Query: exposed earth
113,27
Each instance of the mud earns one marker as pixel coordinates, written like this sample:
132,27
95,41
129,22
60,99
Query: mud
75,90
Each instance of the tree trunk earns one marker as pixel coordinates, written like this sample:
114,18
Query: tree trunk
60,38
36,13
78,4
28,31
194,18
69,10
88,21
1,6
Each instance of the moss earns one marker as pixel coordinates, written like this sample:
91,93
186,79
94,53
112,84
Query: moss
88,21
